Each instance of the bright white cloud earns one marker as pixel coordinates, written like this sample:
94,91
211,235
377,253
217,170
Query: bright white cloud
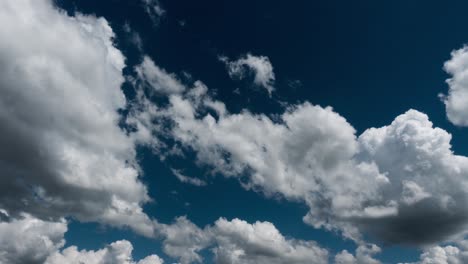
452,254
456,102
29,240
119,252
236,242
363,255
63,152
260,66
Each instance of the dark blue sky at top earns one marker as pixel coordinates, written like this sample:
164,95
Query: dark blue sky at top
370,60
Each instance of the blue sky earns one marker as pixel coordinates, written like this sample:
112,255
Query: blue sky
232,132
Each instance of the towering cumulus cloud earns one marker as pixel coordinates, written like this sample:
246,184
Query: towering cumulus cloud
63,152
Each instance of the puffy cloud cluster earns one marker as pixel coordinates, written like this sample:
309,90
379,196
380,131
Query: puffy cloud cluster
119,252
452,254
238,242
456,102
29,240
428,182
235,242
363,255
392,183
63,152
259,66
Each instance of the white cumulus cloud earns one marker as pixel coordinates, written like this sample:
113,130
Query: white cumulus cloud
456,102
63,152
119,252
260,66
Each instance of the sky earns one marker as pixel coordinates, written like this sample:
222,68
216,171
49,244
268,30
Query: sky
233,132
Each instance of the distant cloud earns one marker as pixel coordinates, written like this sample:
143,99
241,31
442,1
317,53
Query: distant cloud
260,66
451,254
154,10
133,37
364,255
119,252
158,79
456,102
237,242
184,179
30,240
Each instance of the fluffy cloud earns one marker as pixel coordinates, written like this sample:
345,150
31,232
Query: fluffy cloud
453,254
29,240
363,255
63,152
304,157
260,66
392,183
119,252
260,243
427,181
235,242
183,240
456,102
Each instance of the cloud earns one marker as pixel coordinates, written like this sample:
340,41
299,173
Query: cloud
119,252
154,10
260,66
451,254
29,240
363,255
456,102
237,241
183,240
63,152
158,79
189,180
392,184
427,180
